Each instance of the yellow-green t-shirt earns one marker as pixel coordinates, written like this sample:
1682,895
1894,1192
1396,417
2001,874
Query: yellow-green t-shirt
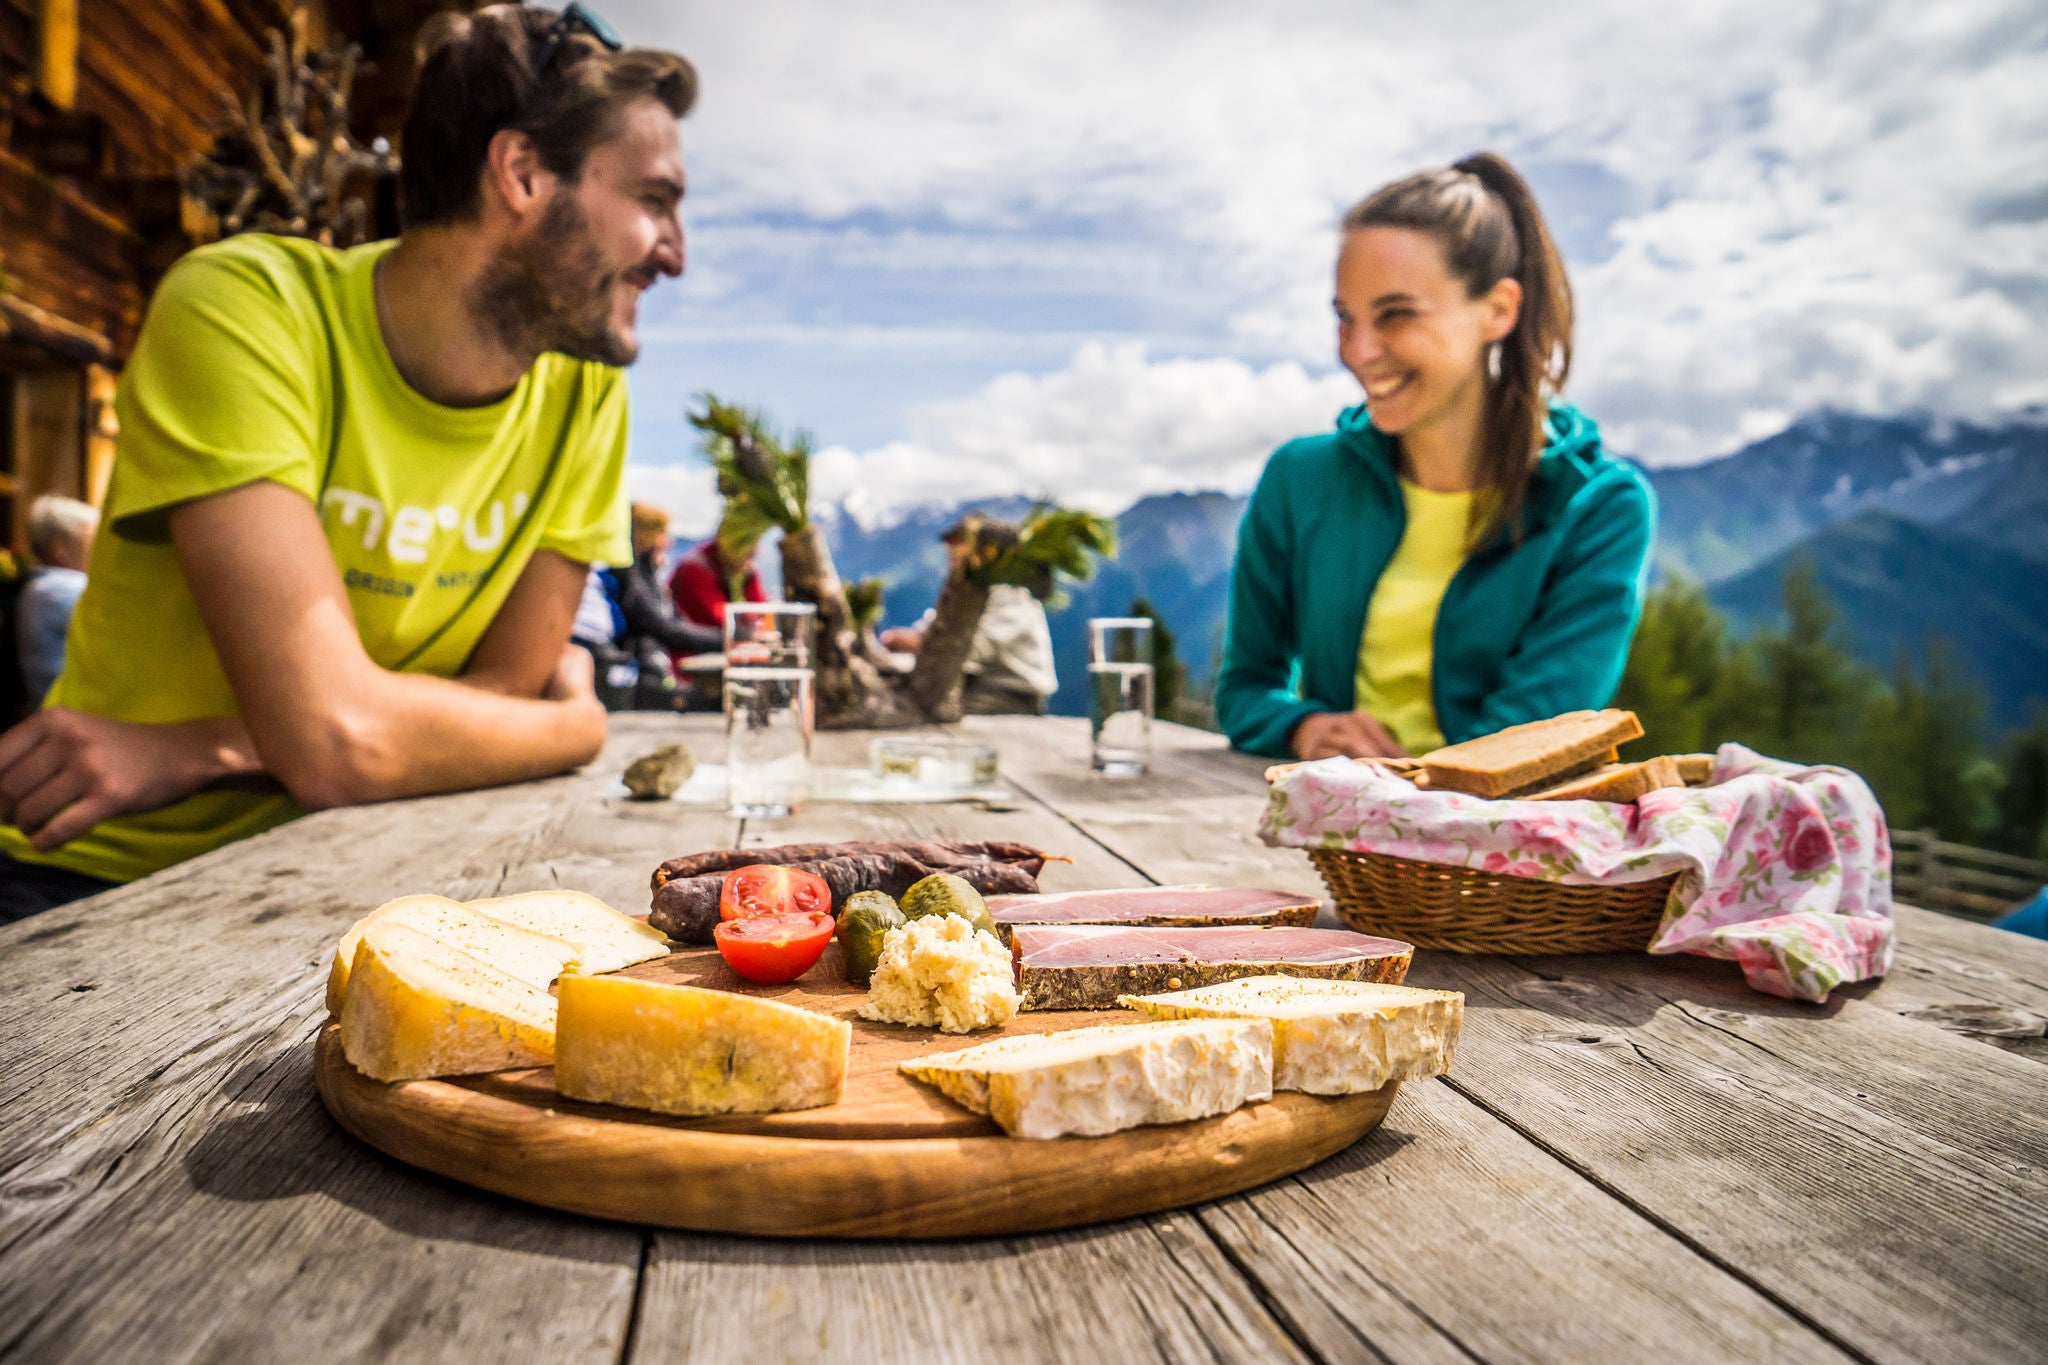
261,358
1395,650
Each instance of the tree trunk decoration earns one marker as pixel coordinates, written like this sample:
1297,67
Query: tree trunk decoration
938,681
766,483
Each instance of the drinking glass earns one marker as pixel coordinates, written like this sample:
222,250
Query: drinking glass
768,700
1119,694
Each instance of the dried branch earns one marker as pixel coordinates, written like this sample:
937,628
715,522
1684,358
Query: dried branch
283,159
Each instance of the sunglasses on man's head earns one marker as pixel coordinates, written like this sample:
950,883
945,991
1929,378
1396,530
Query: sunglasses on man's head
575,19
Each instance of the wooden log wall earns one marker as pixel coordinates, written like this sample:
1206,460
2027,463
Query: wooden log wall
102,104
148,71
88,247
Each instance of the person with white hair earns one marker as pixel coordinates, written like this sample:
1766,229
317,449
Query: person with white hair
60,533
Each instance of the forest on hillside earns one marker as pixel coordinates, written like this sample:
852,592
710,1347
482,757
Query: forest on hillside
1916,733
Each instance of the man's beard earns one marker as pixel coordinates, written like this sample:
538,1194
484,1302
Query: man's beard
551,292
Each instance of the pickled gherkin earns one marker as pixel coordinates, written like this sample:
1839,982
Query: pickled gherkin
865,919
942,893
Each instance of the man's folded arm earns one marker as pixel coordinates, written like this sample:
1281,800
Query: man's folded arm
331,724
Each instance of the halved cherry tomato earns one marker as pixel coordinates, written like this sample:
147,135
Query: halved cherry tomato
768,890
772,949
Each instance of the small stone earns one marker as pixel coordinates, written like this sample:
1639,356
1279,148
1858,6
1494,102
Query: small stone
661,774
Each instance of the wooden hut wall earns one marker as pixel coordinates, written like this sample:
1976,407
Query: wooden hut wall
80,245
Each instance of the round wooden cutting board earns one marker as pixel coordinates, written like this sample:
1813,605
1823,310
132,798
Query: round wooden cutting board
892,1159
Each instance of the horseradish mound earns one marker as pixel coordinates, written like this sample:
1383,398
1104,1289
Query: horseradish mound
940,971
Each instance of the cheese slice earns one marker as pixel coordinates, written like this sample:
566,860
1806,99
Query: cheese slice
417,1007
605,939
536,959
685,1050
1330,1037
1099,1080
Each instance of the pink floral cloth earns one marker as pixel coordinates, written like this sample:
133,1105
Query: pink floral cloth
1786,870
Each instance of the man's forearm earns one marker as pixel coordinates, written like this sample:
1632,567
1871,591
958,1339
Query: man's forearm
417,736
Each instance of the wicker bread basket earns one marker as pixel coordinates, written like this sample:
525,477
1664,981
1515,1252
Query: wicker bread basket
1462,910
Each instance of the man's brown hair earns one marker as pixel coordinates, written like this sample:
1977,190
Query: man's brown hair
478,77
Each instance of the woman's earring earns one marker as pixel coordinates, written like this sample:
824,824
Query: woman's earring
1493,361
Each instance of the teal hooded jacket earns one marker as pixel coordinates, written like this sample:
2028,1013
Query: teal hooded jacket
1526,630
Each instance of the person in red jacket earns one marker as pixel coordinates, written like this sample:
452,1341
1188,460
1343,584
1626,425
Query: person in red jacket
702,584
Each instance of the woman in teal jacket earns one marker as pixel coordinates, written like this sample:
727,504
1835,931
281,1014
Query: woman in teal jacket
1459,555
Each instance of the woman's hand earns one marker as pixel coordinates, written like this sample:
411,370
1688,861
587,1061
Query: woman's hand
64,771
1346,734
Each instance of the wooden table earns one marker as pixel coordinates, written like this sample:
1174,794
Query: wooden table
1636,1158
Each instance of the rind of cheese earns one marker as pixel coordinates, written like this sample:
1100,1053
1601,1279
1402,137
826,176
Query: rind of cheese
417,1007
686,1050
536,959
605,939
1331,1037
1092,1081
939,971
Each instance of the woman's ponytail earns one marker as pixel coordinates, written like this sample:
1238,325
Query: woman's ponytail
1484,216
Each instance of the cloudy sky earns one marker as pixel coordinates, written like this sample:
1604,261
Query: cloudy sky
1084,249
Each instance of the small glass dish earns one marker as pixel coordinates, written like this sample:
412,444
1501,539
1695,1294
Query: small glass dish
945,765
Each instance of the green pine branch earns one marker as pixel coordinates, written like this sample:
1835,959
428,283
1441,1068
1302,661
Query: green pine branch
1052,544
765,479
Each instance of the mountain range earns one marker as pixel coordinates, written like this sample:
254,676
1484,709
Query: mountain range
1918,528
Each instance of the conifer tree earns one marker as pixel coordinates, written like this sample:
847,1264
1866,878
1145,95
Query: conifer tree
1169,674
1797,693
1921,756
1674,669
2022,825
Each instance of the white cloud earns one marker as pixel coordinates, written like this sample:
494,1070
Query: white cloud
1109,428
687,492
1822,204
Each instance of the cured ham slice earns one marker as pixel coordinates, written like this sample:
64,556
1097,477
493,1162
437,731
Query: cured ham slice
1178,906
1087,966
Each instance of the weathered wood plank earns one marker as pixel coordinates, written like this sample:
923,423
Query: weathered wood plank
1826,1158
231,1220
1437,1160
1983,984
1155,1289
1445,1235
96,998
1150,1289
170,1186
1860,1169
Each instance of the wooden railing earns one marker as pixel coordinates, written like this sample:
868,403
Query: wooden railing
1974,883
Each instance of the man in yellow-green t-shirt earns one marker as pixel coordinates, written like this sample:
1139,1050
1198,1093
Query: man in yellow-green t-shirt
357,492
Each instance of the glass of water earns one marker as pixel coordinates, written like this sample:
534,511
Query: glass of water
768,703
1119,694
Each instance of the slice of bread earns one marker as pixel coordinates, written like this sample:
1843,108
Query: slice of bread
1615,782
1522,756
1577,770
1696,769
